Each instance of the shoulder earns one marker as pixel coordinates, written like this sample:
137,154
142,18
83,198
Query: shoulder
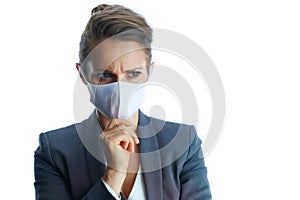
59,140
61,132
63,135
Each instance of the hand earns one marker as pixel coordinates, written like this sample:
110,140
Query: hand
118,140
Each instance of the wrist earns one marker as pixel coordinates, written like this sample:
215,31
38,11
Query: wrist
114,179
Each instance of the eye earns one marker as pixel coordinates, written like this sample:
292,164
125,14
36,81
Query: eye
133,74
105,76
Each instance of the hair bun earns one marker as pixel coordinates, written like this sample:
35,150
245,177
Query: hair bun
99,8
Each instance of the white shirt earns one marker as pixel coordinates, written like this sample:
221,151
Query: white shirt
138,191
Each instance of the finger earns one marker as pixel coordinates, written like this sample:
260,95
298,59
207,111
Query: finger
125,122
136,140
121,139
129,131
130,145
114,133
118,122
122,128
111,124
124,145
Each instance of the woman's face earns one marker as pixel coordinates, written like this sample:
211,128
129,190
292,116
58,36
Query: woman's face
116,60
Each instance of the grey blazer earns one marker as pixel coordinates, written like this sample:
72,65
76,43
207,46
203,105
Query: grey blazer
69,162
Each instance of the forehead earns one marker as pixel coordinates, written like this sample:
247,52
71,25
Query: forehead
111,54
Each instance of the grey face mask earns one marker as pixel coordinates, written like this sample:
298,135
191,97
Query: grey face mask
118,99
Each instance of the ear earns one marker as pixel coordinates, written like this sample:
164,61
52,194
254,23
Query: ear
80,74
150,68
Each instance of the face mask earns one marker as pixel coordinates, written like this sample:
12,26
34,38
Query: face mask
118,99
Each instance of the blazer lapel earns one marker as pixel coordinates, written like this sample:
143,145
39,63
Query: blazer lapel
150,158
89,131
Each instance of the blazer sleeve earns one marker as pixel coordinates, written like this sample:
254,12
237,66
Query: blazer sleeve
193,177
51,185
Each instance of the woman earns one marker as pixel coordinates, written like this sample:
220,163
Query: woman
119,152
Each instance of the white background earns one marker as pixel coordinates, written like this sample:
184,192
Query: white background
255,46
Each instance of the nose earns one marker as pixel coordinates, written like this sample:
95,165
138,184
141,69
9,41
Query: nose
119,77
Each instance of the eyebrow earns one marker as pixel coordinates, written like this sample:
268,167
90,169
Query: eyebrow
134,69
111,72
